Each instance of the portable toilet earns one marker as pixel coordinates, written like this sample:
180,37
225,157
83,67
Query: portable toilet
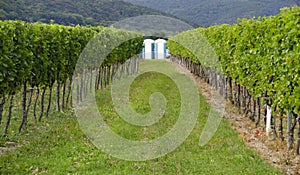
161,49
149,49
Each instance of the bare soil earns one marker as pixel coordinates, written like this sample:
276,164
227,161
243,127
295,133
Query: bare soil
8,147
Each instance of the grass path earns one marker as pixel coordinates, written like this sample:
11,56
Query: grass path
58,146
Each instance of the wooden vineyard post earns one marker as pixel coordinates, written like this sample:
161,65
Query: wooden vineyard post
298,140
9,113
2,102
269,120
24,117
289,130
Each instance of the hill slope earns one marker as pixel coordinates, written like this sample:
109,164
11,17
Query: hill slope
68,12
211,12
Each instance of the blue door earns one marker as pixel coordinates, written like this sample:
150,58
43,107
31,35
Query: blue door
143,53
153,50
165,50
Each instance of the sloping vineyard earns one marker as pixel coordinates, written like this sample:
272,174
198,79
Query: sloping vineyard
259,68
35,57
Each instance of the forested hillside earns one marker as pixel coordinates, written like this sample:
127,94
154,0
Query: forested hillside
211,12
68,12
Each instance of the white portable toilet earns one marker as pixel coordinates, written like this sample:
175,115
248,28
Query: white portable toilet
149,48
161,49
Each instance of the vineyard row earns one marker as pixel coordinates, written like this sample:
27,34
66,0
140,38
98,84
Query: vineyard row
257,66
37,56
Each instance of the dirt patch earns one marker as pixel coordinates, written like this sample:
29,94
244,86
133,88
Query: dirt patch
273,151
8,147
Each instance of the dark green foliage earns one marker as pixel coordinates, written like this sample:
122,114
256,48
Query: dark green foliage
68,12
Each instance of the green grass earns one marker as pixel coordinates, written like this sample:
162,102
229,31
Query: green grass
140,91
58,146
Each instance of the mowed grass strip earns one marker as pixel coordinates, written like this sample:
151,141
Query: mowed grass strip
58,146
